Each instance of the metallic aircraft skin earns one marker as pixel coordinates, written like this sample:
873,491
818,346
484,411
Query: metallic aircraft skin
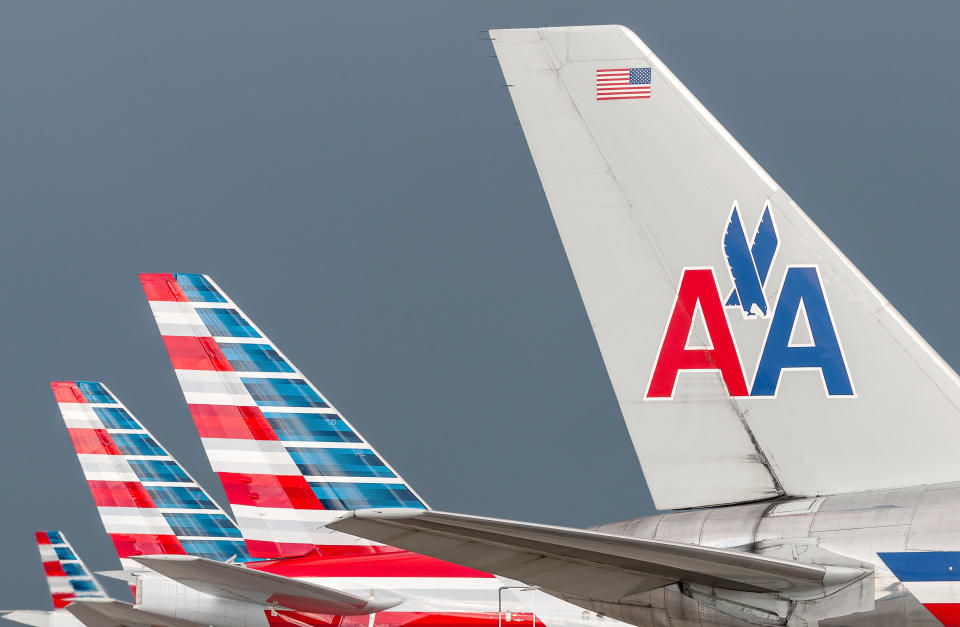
855,526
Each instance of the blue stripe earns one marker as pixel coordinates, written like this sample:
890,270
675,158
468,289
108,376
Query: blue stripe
339,462
55,537
364,495
115,418
74,569
310,427
177,497
226,323
283,393
83,585
94,392
158,470
197,289
202,525
923,565
64,553
219,550
136,444
254,358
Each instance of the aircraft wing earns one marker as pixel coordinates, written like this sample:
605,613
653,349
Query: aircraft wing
582,564
243,584
113,613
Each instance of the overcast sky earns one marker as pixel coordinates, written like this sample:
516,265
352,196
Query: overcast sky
354,176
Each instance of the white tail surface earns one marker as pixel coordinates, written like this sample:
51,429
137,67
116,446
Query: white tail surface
750,358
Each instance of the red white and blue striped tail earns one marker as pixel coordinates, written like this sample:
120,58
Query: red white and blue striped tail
288,460
933,577
148,503
67,576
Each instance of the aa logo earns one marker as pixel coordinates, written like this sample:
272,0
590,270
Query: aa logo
800,301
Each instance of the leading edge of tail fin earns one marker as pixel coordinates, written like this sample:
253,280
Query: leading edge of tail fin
288,460
67,576
750,358
148,503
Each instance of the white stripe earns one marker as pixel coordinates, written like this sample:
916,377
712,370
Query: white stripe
280,514
303,410
259,457
228,304
203,538
48,553
341,445
59,585
186,510
256,374
413,583
220,339
106,468
935,591
134,520
338,479
79,416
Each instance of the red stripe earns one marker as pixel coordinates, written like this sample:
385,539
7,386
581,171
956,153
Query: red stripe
121,494
93,442
67,392
277,550
647,97
195,353
946,613
231,422
62,599
623,69
284,491
42,537
53,569
162,287
131,544
287,618
390,563
458,619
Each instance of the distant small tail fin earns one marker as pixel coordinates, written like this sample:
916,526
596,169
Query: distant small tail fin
67,576
148,503
750,358
288,460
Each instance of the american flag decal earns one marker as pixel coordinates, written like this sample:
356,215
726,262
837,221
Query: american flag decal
623,83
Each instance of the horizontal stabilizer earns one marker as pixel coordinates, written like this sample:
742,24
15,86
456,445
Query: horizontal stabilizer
34,618
242,584
586,565
111,613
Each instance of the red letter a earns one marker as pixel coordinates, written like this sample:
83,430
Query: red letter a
697,286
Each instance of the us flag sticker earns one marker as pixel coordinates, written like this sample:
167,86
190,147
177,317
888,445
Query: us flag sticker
623,83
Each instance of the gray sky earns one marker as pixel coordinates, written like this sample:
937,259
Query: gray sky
354,176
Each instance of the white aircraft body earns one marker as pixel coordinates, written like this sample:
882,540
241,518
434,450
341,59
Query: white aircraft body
806,431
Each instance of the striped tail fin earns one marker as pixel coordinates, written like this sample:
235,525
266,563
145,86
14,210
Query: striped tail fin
288,460
67,576
148,503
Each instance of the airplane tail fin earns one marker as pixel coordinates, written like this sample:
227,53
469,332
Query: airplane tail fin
750,358
288,460
67,576
148,503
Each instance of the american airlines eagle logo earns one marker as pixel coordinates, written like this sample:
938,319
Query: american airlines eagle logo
801,303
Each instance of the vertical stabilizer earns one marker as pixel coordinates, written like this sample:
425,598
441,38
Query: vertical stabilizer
750,358
67,576
148,503
288,460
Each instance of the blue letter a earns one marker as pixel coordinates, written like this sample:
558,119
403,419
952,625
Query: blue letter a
801,286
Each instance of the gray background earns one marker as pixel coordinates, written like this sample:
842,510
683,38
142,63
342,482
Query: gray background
354,176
